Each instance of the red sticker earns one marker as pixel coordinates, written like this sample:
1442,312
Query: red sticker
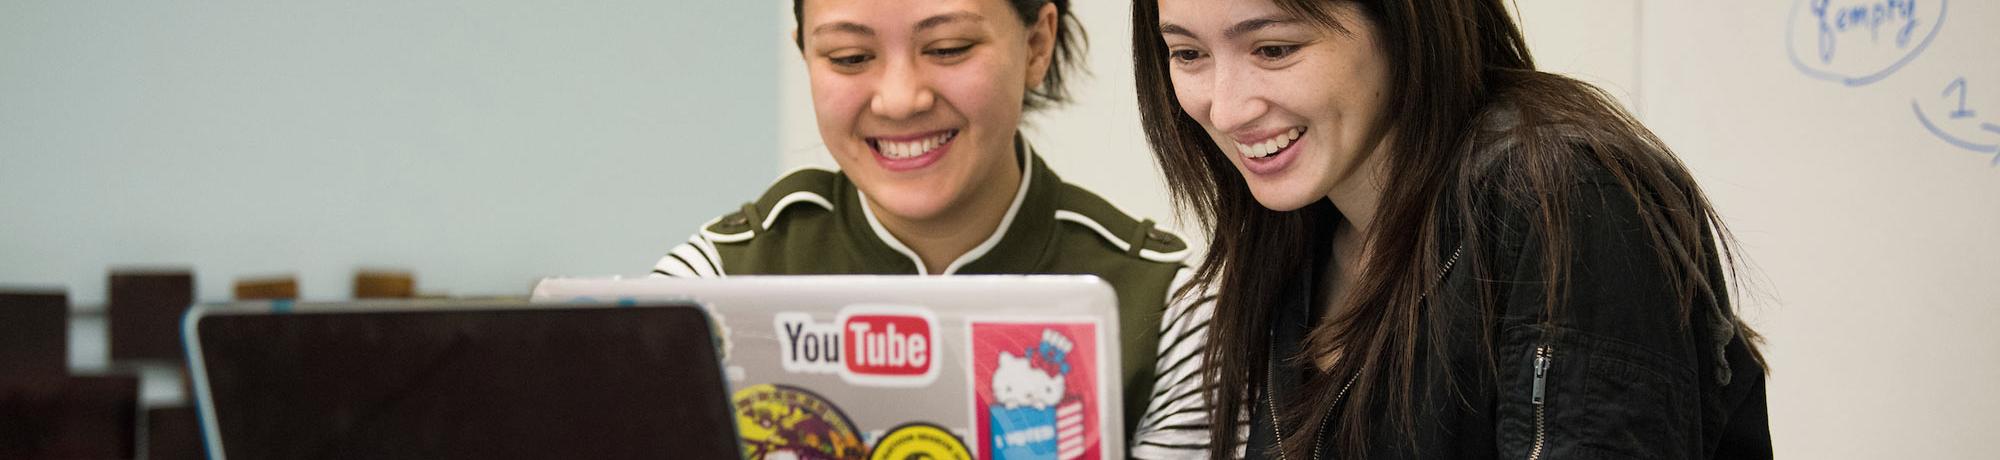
869,345
1035,388
888,345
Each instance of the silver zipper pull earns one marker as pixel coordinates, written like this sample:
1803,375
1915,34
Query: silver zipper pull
1541,373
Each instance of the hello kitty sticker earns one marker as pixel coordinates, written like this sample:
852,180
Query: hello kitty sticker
1035,390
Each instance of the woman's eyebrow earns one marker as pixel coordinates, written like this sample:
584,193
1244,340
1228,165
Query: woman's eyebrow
947,18
1247,26
1253,25
843,27
1168,28
930,22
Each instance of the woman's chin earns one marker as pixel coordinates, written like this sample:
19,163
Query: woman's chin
1277,197
909,206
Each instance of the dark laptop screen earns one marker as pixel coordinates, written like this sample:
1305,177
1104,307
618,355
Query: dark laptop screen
622,383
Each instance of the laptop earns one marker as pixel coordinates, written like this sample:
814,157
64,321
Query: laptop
458,379
850,366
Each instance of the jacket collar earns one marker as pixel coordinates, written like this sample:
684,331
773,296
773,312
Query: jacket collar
1018,245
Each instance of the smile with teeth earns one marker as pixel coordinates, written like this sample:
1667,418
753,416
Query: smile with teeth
1270,146
911,149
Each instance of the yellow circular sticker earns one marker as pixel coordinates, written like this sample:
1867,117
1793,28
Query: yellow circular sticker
781,421
919,441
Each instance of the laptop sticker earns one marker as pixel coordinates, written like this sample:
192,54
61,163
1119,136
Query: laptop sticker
920,440
787,422
867,345
1035,390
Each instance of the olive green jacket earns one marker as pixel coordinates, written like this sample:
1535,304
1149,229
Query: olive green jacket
815,221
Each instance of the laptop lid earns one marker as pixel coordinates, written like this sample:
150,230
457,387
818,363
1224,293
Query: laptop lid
985,366
499,379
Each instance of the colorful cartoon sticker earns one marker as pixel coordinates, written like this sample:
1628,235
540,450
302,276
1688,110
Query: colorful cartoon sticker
1035,387
920,441
786,422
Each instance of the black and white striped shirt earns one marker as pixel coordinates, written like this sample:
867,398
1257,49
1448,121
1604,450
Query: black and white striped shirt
1176,424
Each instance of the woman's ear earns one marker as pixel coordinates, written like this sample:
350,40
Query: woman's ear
1042,44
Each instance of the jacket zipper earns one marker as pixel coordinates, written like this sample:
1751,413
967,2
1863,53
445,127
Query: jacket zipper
1271,377
1543,356
1278,434
1271,398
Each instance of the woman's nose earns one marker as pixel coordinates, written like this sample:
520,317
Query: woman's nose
902,92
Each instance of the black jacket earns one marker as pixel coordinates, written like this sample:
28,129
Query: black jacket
1620,375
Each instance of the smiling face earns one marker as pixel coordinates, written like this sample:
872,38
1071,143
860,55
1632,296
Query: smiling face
1296,106
918,100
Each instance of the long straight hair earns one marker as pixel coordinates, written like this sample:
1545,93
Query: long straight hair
1475,129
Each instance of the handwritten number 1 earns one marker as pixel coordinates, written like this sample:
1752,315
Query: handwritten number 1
1959,87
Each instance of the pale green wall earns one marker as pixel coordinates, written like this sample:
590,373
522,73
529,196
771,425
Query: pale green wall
481,143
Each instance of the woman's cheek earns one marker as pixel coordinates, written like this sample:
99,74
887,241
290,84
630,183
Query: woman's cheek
970,87
1188,91
838,96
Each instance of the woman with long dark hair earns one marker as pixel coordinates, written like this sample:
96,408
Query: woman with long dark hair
1423,247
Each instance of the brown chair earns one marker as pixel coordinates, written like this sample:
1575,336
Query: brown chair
69,417
275,288
34,334
369,284
144,309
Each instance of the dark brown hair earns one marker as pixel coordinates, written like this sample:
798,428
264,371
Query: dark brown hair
1070,45
1475,128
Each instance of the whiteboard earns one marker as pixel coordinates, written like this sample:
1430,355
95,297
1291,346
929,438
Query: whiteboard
1852,147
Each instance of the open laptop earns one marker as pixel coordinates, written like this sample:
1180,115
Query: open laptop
997,367
458,379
